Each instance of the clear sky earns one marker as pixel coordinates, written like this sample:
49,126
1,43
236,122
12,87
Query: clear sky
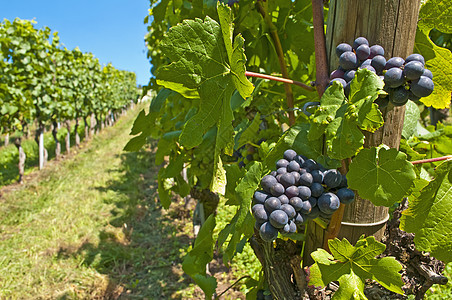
112,30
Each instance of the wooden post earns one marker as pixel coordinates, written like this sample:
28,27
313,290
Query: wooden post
57,142
391,24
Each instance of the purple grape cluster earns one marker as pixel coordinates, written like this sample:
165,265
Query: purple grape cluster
404,79
299,189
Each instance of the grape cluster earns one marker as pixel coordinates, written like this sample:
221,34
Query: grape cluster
300,189
404,79
246,154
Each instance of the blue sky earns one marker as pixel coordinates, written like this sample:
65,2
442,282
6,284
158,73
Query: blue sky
112,30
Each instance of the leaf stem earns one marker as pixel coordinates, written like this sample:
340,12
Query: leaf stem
280,79
321,60
423,161
282,62
237,281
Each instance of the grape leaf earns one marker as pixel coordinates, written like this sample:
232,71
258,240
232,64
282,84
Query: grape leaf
195,261
250,132
436,14
383,177
428,215
352,265
364,90
412,115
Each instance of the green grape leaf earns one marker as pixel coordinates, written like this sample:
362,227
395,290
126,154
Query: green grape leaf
436,14
439,61
202,253
207,283
343,137
352,265
428,215
164,189
383,177
241,226
250,132
364,90
412,115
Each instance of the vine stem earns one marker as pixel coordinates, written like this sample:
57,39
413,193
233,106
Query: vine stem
282,62
321,60
229,287
280,79
423,161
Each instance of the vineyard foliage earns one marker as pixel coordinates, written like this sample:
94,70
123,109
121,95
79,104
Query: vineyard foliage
42,81
206,111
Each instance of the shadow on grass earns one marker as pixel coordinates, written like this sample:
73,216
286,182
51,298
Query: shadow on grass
140,248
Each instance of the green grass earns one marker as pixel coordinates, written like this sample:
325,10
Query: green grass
91,227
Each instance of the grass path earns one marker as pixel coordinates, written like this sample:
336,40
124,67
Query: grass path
90,227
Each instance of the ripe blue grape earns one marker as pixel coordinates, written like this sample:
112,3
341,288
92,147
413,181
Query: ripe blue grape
363,52
340,80
369,67
292,191
304,192
296,175
292,227
293,166
306,208
343,181
316,189
422,87
285,229
415,57
379,63
284,199
317,176
287,180
338,73
278,218
299,159
345,195
272,204
259,213
348,61
349,75
300,219
267,182
328,203
315,212
428,73
376,50
341,48
282,170
398,96
394,62
360,41
260,196
267,232
296,202
366,62
282,163
277,190
332,178
313,201
413,70
289,210
289,155
394,77
311,165
306,179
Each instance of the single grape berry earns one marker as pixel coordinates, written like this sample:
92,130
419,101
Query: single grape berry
376,50
282,163
343,47
394,77
340,80
259,213
260,196
267,182
428,73
313,201
272,204
366,62
296,175
277,189
289,210
317,176
300,219
293,166
306,179
287,180
369,67
306,208
349,75
363,52
348,61
360,41
317,189
332,178
292,227
282,170
278,218
311,165
415,57
345,195
422,87
338,73
398,96
328,203
394,62
413,70
292,191
379,63
315,212
296,202
267,232
289,155
283,199
304,192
